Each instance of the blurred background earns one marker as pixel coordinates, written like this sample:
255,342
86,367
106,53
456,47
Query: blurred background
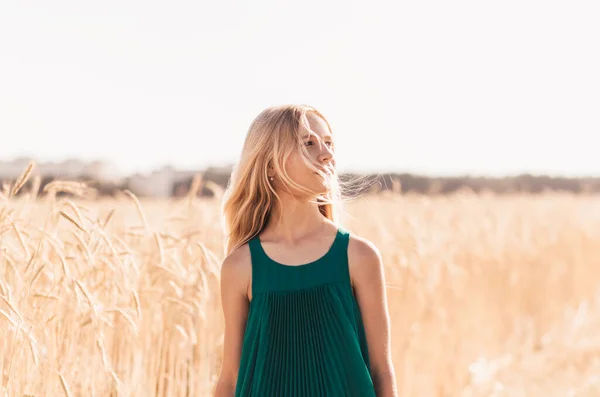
474,123
143,94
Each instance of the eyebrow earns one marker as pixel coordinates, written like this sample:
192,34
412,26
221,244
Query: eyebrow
309,135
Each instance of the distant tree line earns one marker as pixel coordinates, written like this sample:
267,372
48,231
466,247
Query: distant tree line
357,184
526,183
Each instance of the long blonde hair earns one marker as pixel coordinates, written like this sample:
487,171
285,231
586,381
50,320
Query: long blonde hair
249,198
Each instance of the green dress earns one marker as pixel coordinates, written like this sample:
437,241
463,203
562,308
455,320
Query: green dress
304,336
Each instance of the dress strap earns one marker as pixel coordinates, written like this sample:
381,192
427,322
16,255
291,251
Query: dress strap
255,251
258,261
341,254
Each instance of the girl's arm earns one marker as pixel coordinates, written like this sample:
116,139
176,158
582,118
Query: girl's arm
235,273
368,278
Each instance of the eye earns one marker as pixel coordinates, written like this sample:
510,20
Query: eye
309,143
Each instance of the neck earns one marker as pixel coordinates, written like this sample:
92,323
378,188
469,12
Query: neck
297,219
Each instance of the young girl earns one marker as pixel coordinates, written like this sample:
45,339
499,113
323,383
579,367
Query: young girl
303,298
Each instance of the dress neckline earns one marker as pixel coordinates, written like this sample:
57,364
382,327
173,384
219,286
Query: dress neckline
322,258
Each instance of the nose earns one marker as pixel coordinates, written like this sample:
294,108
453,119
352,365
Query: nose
326,155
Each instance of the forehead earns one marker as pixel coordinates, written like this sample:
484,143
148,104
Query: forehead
317,125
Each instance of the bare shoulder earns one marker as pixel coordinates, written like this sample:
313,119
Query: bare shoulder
364,258
236,268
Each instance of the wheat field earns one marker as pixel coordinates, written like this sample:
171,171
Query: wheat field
488,295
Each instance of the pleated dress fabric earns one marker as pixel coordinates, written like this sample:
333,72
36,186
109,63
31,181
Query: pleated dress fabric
304,335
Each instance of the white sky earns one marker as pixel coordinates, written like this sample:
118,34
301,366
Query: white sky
434,87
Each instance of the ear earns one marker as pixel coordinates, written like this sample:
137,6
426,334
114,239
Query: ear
270,170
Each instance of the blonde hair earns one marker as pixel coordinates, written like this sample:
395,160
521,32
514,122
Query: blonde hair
250,198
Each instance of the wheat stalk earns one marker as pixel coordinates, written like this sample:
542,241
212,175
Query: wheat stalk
194,188
64,385
11,307
74,222
138,206
78,189
22,179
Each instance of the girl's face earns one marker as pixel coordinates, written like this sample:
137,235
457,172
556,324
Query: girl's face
319,146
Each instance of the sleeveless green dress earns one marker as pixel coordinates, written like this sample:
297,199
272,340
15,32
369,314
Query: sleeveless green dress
304,335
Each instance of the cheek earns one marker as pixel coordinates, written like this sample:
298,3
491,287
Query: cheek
297,169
